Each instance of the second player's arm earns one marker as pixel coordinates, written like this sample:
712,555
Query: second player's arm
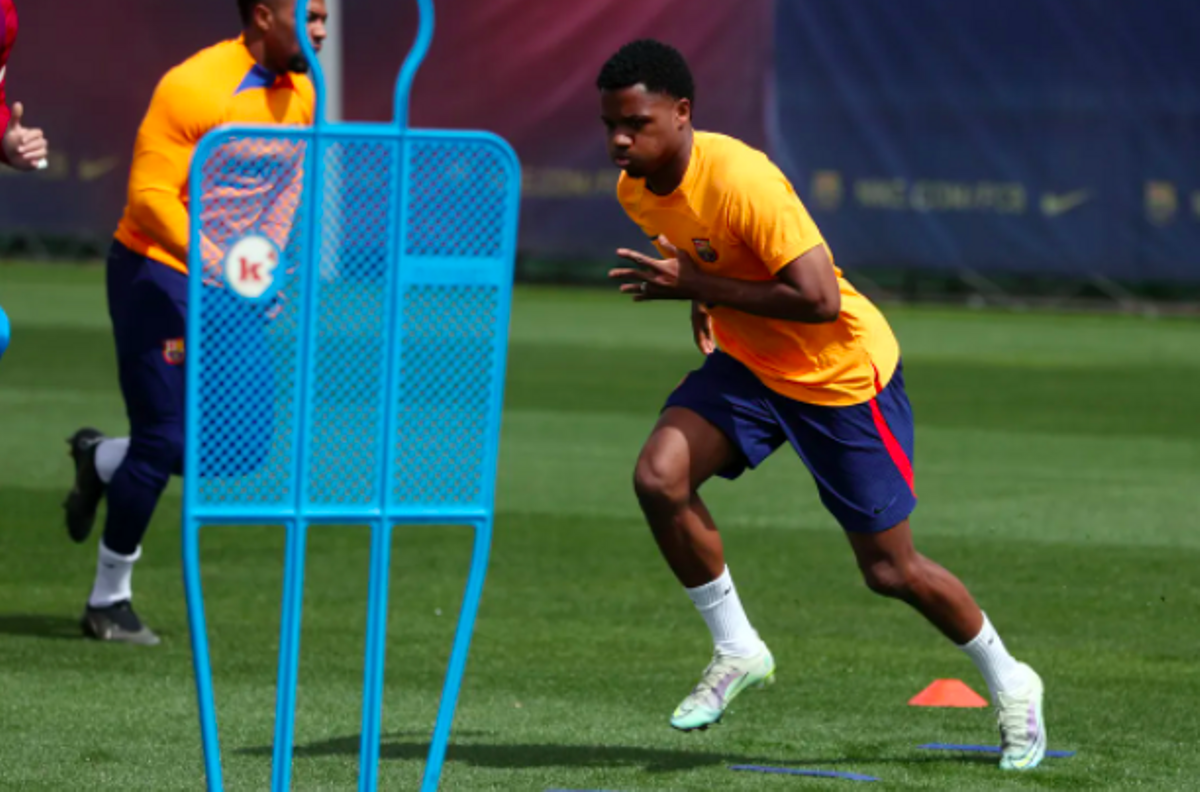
162,156
161,214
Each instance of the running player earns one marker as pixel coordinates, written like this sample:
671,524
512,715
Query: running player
794,354
257,78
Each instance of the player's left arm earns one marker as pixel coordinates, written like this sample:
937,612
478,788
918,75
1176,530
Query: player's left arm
282,200
803,290
767,217
181,111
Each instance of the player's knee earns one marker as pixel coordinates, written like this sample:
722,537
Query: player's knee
659,484
159,447
892,579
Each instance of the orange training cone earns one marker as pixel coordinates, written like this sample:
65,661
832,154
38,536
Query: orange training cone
948,693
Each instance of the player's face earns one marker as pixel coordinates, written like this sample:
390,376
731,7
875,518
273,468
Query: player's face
645,130
283,45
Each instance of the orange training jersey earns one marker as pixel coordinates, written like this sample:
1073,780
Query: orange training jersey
219,85
737,216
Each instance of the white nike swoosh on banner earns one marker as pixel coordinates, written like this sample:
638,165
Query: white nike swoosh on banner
1054,205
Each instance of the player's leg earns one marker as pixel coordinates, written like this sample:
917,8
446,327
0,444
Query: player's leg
866,481
683,451
892,567
712,425
97,457
87,490
149,312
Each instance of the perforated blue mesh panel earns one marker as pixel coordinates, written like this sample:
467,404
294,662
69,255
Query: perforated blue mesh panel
367,376
449,340
348,418
349,297
248,360
458,195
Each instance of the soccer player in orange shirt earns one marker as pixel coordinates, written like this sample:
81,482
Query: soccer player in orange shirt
257,78
794,354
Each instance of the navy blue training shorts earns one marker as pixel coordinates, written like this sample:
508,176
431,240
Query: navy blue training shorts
860,456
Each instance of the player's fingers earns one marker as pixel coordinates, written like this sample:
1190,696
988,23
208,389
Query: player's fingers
674,252
35,153
14,119
30,141
628,274
642,292
639,258
654,292
29,146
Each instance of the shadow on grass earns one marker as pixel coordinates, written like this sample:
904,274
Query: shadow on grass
36,626
653,760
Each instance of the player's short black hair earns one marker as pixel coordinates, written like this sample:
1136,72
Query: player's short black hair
245,9
660,67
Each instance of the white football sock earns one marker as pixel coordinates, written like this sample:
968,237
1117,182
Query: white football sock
721,608
109,456
114,576
1000,670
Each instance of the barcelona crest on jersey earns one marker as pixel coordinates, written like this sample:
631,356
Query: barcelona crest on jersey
704,250
173,351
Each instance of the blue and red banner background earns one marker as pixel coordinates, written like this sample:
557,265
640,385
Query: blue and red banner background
935,134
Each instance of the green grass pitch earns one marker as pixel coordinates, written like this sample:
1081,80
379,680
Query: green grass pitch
1058,463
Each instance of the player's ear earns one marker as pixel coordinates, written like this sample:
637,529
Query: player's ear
683,112
263,16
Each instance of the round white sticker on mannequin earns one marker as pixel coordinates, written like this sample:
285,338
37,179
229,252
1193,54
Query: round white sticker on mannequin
250,266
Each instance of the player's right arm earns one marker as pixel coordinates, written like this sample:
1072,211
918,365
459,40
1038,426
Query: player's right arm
179,115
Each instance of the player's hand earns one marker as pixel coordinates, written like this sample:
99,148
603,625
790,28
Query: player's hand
702,328
673,278
25,148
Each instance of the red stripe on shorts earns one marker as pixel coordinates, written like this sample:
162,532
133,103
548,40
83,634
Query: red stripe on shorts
894,449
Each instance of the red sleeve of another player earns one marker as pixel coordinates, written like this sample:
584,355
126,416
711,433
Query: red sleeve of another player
8,36
4,116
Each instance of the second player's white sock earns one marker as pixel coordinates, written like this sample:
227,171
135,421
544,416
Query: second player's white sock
722,610
109,456
1000,670
114,577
